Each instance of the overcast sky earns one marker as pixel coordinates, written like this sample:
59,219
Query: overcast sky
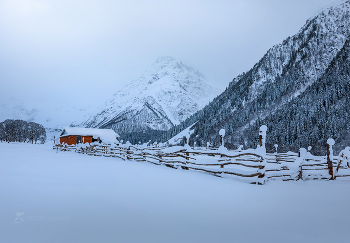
53,50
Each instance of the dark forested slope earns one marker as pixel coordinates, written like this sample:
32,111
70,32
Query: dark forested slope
320,112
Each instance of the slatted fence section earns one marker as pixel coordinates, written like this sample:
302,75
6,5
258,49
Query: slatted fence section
244,165
280,166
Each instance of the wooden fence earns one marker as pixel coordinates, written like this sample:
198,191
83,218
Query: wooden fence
252,165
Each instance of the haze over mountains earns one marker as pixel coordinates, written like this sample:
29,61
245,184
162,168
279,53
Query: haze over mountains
52,118
49,116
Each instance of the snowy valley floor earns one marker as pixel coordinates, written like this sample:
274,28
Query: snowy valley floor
69,197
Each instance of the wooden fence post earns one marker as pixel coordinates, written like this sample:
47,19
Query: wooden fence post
330,143
262,152
187,140
222,135
260,140
222,148
301,155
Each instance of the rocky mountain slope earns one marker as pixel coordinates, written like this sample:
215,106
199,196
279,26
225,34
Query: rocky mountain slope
165,95
277,85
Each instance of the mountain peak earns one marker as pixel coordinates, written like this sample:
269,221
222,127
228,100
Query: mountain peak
166,59
165,95
167,68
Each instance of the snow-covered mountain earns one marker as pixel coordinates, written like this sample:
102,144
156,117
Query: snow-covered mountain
274,92
165,95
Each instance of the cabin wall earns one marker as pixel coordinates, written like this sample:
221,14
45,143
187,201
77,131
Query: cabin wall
86,139
72,140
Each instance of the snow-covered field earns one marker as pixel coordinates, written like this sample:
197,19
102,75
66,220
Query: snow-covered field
69,197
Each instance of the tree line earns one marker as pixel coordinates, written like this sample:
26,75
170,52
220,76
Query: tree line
22,131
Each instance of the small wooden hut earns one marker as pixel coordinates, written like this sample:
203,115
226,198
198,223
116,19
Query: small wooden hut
76,135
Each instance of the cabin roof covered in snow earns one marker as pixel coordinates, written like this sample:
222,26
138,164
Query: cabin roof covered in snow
104,134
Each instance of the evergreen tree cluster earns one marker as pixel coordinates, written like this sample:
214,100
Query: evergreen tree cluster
22,131
144,137
319,113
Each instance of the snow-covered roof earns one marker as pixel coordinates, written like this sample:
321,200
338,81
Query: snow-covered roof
106,135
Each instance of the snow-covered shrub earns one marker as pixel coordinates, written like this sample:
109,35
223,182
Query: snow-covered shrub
344,157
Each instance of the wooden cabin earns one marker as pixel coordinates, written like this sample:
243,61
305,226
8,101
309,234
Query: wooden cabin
76,135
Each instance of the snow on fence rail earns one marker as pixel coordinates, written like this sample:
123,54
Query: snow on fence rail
252,165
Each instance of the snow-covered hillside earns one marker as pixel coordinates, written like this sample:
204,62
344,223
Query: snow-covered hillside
178,137
69,197
296,89
165,95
